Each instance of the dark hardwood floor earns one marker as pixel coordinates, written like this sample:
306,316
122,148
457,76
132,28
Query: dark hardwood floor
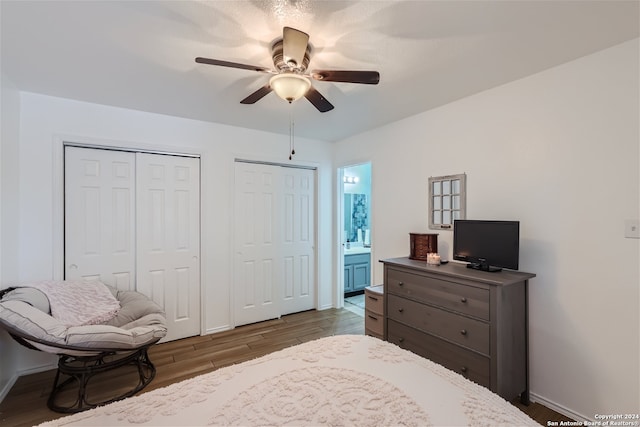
26,403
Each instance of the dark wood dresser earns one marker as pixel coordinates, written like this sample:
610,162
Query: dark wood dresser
472,322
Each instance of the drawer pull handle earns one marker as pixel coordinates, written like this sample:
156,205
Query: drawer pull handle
372,317
400,283
463,299
400,310
464,369
463,332
373,298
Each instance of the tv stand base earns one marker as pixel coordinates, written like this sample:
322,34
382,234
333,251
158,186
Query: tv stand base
484,267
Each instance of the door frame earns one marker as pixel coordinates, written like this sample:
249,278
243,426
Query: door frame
59,143
339,203
247,158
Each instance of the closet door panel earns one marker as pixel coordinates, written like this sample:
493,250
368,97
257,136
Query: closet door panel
168,236
257,265
99,216
298,240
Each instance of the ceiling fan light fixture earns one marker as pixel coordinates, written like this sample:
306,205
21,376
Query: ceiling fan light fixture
291,55
290,87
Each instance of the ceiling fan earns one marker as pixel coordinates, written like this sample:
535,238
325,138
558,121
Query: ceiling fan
290,80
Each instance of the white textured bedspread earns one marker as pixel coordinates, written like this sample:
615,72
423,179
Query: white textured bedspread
341,380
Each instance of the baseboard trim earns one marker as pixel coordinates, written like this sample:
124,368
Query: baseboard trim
218,329
558,408
7,386
11,382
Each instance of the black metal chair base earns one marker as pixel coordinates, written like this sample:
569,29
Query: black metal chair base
79,370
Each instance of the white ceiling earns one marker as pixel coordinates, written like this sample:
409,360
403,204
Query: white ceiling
140,54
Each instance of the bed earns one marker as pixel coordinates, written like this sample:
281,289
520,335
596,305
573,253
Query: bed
339,380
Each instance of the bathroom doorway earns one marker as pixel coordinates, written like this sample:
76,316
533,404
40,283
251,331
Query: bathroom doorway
356,237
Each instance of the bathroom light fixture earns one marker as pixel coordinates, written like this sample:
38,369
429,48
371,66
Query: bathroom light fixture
351,179
289,86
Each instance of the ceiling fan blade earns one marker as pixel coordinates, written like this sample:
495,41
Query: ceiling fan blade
257,95
364,77
209,61
318,101
294,46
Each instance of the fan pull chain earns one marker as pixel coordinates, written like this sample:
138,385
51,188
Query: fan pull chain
292,149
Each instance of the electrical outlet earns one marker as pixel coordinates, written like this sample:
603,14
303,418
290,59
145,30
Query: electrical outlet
632,229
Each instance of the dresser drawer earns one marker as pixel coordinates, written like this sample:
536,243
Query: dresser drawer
465,299
471,365
374,299
373,334
462,330
374,322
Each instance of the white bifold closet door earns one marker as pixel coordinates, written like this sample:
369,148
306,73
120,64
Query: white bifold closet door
168,238
274,241
100,221
132,220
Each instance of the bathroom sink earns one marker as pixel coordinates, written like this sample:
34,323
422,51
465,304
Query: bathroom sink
357,250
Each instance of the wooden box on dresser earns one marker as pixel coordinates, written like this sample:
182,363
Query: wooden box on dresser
472,322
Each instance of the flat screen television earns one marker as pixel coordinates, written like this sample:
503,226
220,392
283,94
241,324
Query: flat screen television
487,245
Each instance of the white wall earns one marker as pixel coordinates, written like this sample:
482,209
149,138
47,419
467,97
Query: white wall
9,216
10,115
558,151
47,121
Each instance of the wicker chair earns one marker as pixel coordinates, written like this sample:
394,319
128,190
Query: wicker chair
88,350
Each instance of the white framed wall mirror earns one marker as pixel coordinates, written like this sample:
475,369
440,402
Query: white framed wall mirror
447,200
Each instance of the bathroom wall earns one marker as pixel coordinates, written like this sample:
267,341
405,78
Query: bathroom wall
355,194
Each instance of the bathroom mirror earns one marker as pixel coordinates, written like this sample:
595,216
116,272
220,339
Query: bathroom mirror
356,217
